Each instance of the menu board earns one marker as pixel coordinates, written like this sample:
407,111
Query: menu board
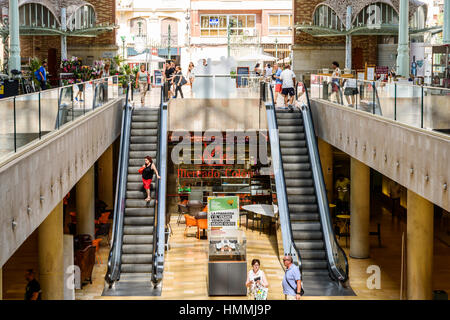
223,212
382,72
157,78
370,73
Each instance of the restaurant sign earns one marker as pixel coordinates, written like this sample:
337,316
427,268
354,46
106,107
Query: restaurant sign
223,212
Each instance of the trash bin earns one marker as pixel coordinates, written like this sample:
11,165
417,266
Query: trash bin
11,88
440,295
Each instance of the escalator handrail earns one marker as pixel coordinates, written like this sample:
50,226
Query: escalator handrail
114,260
159,236
283,205
321,193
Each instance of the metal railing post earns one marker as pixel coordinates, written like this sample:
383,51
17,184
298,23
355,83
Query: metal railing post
373,97
395,101
39,98
421,107
15,126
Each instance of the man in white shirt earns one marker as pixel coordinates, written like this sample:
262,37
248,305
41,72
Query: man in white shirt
268,72
287,88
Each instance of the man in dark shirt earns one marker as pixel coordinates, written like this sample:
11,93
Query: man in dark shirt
170,70
33,289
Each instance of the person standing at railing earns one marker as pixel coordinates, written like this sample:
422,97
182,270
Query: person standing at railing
335,80
142,82
41,75
278,83
105,74
268,72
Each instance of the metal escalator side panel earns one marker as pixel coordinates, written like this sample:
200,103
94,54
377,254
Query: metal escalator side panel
335,255
114,260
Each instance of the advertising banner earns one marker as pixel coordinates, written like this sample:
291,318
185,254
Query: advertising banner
223,212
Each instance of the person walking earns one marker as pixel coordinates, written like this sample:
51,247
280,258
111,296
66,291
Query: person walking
33,288
179,81
268,72
147,171
278,83
335,79
41,75
169,72
287,88
291,283
257,69
190,74
257,282
142,82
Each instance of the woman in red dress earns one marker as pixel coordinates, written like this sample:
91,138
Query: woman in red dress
147,171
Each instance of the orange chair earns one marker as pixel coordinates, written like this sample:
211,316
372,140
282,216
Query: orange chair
190,222
104,217
202,224
96,244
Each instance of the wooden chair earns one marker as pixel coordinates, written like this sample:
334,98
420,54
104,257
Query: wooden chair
182,209
96,244
202,224
190,222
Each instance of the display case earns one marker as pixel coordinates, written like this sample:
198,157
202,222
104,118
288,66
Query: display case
227,265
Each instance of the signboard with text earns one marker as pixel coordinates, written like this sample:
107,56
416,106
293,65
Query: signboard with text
223,212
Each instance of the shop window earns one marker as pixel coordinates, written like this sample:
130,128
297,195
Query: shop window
83,18
218,25
326,17
37,15
279,24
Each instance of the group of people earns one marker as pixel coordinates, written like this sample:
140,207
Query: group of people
258,285
175,80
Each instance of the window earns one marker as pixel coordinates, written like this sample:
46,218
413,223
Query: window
216,25
138,27
326,17
376,13
418,19
279,24
37,15
83,18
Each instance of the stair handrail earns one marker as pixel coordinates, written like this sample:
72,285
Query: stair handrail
115,253
283,205
160,213
337,259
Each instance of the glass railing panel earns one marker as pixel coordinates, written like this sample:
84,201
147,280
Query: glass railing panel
51,119
6,126
436,109
366,97
66,105
408,104
79,101
225,87
27,119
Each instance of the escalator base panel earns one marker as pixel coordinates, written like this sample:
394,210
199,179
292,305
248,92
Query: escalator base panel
315,286
133,288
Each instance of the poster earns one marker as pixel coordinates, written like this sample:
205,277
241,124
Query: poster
370,73
223,212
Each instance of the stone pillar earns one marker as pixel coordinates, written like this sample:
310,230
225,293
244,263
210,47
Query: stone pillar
348,39
403,40
85,201
446,28
14,39
51,263
326,160
359,209
106,178
63,37
419,248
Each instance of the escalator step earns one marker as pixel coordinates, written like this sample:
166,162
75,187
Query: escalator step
298,191
302,235
142,154
306,226
137,248
291,136
140,221
293,151
141,110
143,147
309,245
136,203
143,139
134,169
136,268
288,115
316,273
144,118
138,162
314,264
139,195
139,212
144,125
138,186
304,217
292,144
290,129
134,177
289,122
296,167
137,230
143,132
292,174
305,199
299,183
295,159
137,258
314,254
298,208
138,239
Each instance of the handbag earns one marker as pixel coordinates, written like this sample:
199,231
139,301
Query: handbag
261,293
183,81
302,292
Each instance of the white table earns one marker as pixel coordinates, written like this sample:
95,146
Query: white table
268,210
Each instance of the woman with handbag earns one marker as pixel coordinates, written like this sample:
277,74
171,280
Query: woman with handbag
142,82
257,282
179,81
147,171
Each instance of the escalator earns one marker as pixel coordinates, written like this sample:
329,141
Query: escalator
135,260
304,214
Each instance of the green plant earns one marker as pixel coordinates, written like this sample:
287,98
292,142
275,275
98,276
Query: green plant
34,65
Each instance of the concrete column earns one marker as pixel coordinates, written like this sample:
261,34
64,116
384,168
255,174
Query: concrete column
419,248
403,40
106,178
51,262
69,272
14,40
446,28
359,209
85,201
348,39
63,37
326,160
